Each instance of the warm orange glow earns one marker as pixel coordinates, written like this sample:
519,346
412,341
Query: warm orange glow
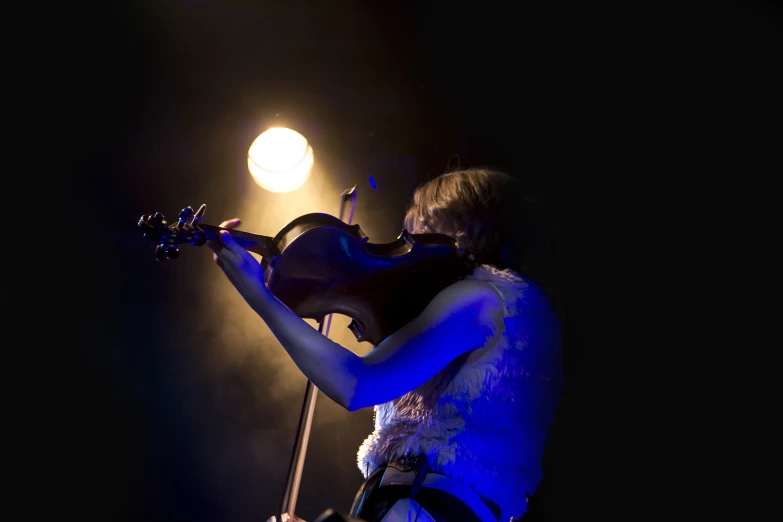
280,160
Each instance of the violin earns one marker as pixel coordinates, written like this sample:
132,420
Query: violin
321,265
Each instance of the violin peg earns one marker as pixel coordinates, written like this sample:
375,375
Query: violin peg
198,215
184,216
165,252
160,254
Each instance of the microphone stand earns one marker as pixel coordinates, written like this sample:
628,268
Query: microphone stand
308,408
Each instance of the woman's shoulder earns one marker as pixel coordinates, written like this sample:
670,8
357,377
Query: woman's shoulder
512,288
522,298
466,294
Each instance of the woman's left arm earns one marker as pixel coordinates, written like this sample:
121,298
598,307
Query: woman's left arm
461,318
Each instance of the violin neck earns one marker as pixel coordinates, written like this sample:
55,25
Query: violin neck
261,245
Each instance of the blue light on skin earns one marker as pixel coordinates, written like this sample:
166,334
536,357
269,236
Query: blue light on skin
372,183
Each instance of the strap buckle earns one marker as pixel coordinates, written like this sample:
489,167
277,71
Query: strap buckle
407,471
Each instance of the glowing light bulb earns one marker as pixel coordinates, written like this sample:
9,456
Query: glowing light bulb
280,160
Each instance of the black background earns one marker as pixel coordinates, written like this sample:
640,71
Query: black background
640,127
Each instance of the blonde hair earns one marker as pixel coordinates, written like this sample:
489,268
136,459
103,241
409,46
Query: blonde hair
481,208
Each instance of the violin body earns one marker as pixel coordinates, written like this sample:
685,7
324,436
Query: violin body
321,265
328,267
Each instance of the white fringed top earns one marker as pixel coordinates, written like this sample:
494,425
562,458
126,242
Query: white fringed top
484,418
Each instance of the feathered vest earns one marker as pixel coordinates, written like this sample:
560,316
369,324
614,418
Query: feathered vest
484,418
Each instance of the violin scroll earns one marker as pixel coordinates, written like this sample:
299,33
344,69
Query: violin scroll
168,236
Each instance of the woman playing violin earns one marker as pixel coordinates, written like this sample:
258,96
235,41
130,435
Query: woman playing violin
464,394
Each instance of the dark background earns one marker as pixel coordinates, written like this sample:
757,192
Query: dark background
639,128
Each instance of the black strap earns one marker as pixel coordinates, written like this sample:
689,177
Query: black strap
372,501
420,466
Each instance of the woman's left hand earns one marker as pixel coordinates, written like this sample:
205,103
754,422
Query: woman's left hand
239,265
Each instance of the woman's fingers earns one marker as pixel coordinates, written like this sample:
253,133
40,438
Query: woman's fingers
231,223
231,245
228,252
216,245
